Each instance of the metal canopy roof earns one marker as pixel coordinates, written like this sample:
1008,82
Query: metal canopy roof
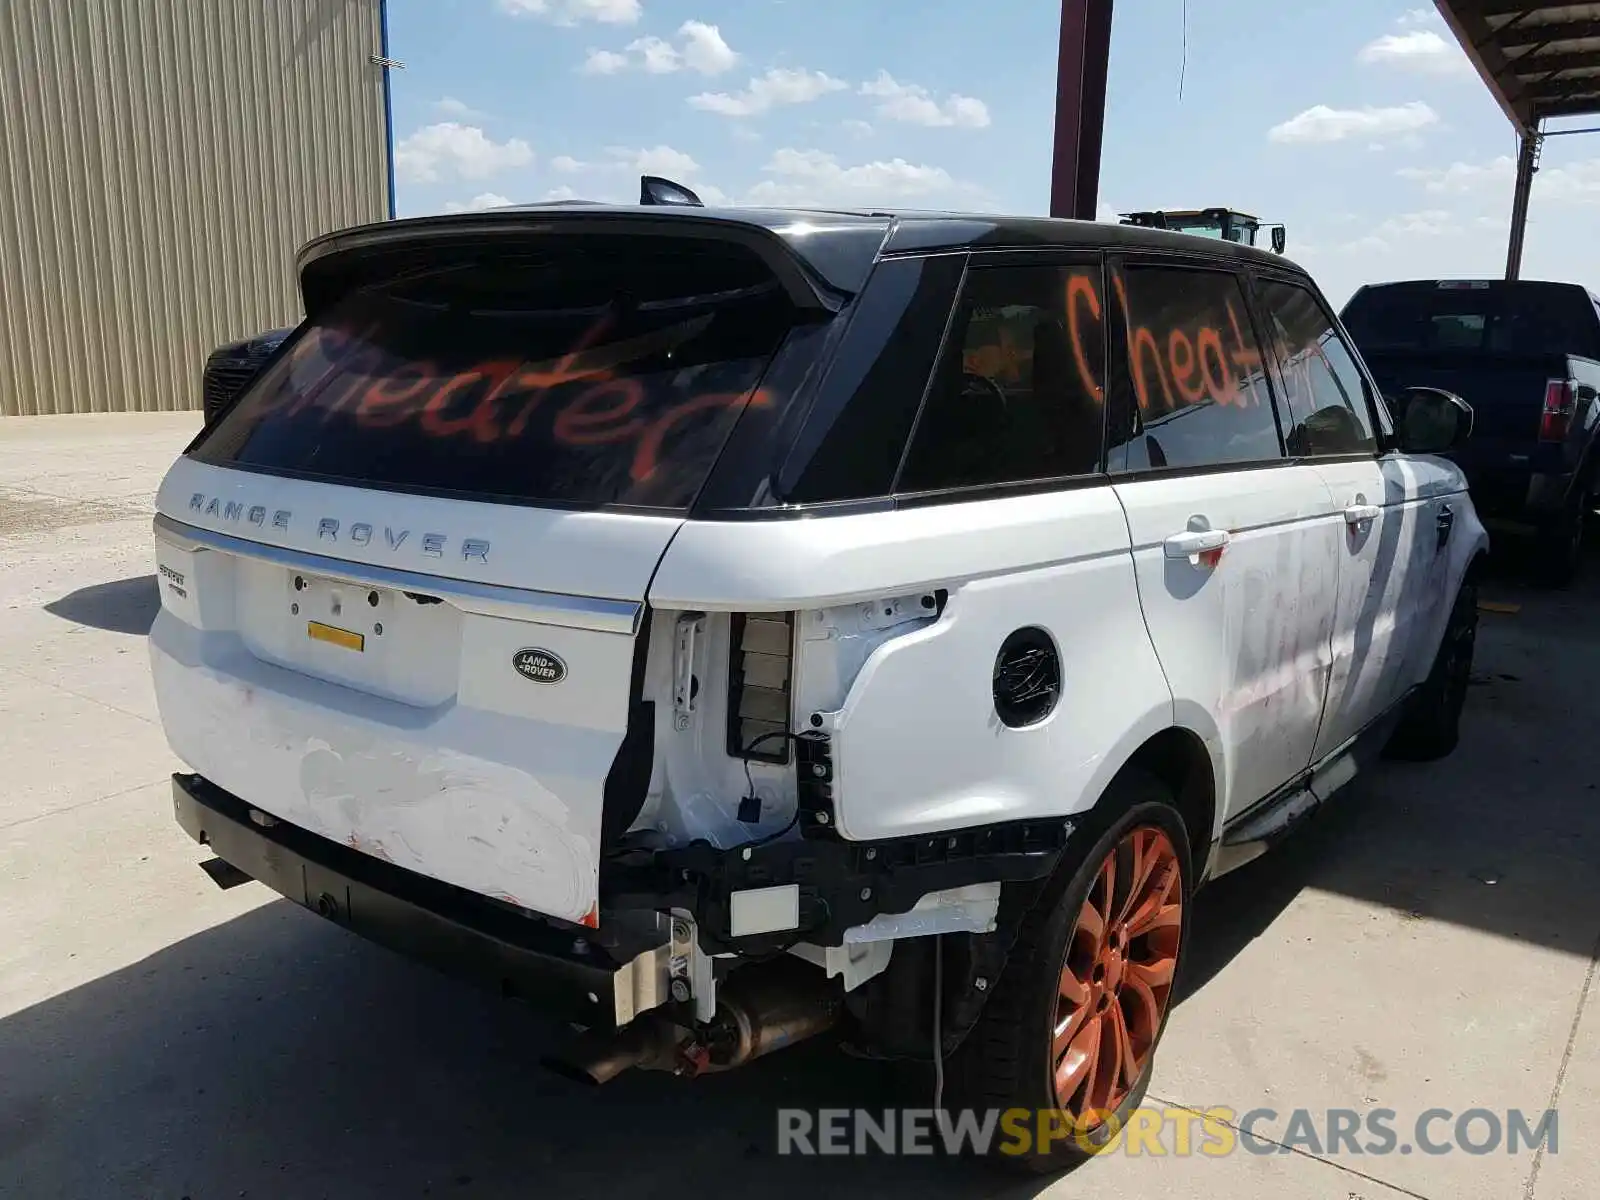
1539,60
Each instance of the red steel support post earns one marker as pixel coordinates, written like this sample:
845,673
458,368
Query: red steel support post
1081,69
1527,164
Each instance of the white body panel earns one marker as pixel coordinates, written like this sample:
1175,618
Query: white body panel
908,698
1394,587
1245,640
574,553
426,747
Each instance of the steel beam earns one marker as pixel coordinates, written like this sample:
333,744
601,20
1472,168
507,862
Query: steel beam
1527,164
1081,67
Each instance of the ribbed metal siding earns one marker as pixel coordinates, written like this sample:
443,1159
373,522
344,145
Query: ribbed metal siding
160,163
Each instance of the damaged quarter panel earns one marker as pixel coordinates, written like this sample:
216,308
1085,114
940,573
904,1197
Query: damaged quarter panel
909,695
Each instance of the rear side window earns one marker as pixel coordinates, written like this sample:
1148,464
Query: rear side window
1490,317
1019,393
1195,372
599,371
1329,404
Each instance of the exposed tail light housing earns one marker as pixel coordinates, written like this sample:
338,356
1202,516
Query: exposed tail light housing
1556,418
758,686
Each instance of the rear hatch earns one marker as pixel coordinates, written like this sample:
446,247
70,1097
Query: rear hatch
403,578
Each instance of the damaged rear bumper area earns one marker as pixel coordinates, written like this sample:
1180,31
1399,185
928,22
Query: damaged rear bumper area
562,969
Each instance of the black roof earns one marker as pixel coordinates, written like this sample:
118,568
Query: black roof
839,245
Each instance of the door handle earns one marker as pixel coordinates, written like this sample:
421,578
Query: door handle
1446,522
1194,542
1360,514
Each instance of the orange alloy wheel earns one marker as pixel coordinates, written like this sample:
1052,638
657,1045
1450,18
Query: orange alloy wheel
1117,979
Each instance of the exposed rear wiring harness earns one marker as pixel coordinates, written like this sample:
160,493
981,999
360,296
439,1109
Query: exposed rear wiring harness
750,804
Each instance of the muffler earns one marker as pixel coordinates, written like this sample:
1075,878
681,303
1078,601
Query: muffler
760,1009
767,1007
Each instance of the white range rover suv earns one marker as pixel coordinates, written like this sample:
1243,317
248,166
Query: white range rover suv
717,625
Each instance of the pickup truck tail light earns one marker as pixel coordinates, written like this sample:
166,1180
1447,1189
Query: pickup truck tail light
1557,415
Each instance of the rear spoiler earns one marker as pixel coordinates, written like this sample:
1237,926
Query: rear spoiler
331,266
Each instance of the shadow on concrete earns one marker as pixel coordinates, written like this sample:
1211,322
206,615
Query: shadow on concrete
1502,836
123,606
279,1056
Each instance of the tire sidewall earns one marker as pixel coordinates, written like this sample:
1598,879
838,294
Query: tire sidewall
1140,800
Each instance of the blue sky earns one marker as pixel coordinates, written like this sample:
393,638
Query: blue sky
1361,126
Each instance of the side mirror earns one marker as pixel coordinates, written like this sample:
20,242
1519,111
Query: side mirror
1431,420
1280,239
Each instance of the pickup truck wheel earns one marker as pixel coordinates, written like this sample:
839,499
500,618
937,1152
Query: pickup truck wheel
1432,724
1070,1034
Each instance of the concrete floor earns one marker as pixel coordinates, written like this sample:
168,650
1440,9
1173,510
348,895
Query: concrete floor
1429,943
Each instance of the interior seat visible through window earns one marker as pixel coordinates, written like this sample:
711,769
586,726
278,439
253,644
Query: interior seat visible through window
1018,395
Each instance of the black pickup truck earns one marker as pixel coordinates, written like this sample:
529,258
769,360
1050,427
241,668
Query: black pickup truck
1526,356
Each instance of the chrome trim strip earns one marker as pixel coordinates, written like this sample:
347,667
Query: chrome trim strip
523,604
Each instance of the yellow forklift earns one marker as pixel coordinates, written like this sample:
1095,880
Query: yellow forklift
1226,223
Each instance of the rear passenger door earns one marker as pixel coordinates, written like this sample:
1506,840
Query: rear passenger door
1388,541
1236,548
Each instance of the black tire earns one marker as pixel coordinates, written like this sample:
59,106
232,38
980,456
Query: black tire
1432,724
1007,1062
1559,550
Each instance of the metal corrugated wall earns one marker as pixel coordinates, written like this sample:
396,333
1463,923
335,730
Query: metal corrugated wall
160,163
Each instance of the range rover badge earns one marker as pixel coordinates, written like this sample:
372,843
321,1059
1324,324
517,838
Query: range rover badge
541,666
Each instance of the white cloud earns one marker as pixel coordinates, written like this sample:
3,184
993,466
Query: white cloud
1323,124
571,12
652,160
1462,178
779,86
659,160
700,48
1575,183
814,177
1414,17
1432,222
478,203
561,193
656,56
455,149
1416,50
604,62
457,110
916,105
704,50
859,127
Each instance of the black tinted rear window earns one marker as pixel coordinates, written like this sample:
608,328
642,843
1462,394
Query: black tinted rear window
1499,318
597,371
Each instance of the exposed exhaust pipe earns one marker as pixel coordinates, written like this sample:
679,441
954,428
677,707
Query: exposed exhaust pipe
649,1042
760,1009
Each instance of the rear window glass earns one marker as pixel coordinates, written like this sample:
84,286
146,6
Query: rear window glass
1498,318
597,372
